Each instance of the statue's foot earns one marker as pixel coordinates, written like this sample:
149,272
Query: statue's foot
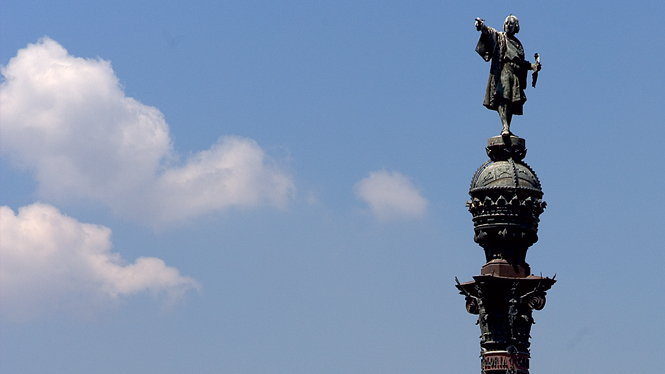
506,130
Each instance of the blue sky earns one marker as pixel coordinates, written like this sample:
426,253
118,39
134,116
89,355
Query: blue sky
279,187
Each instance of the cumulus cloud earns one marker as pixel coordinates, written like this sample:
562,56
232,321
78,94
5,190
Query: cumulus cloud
49,261
68,120
391,196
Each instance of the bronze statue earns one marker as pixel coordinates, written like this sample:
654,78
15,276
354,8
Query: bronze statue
507,80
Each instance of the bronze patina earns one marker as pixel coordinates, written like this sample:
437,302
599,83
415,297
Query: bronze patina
506,201
508,69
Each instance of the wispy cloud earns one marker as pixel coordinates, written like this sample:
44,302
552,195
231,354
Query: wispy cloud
391,196
49,261
68,120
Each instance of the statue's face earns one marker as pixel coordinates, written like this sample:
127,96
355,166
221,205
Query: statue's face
511,25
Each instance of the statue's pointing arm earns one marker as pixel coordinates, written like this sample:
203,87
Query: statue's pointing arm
488,40
484,29
479,23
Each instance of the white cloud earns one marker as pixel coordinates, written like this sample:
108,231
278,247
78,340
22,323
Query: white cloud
391,196
49,261
68,120
233,172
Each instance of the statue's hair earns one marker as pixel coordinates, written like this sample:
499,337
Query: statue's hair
517,23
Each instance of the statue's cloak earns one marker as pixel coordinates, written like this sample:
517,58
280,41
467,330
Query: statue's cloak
508,69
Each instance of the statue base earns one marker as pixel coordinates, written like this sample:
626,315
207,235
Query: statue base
501,148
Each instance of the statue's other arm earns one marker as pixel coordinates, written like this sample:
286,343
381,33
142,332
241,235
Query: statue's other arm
529,66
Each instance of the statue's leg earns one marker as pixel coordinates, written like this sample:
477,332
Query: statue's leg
506,117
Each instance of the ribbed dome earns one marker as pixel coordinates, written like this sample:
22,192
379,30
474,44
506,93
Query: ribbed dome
502,174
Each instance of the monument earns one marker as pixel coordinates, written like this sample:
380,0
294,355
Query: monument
506,203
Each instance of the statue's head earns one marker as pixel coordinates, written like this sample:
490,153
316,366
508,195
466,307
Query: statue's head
511,25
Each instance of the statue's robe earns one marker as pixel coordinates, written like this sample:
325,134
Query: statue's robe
508,69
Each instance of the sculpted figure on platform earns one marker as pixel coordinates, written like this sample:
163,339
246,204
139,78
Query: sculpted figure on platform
508,71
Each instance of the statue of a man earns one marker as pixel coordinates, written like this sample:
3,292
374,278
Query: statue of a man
507,80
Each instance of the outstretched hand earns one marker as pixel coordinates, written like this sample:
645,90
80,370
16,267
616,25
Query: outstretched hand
479,23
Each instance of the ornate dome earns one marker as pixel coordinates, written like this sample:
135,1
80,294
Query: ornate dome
506,202
505,174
